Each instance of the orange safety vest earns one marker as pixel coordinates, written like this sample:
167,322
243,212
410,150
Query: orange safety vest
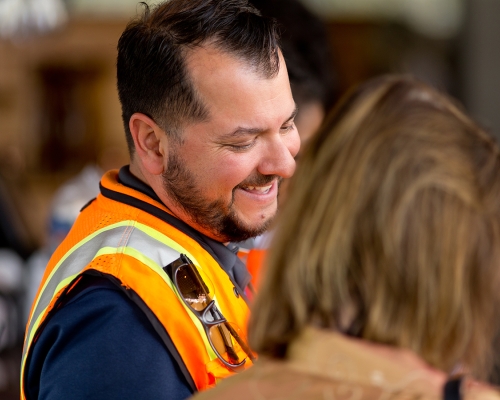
255,265
119,236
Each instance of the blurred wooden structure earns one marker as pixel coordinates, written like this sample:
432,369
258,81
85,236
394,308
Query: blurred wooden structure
59,111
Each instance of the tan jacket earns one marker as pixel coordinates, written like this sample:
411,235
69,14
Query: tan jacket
326,365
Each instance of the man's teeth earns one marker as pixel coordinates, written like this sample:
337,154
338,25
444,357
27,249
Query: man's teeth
262,189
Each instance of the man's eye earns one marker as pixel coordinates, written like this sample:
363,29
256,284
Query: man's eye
287,128
241,147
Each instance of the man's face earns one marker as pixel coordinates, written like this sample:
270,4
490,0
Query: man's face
222,177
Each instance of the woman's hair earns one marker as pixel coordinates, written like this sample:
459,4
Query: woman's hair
391,232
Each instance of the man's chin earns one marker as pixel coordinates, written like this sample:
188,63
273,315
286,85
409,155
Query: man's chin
236,230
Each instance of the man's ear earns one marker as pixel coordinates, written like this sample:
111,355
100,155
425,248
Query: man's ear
148,138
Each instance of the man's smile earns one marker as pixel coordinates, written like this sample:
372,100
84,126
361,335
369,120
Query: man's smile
258,189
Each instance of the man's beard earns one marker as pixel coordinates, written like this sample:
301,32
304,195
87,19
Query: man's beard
215,216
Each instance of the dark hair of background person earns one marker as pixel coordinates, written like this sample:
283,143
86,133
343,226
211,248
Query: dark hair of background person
151,73
392,234
306,50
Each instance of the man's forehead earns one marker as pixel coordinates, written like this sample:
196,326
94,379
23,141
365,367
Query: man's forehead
211,68
231,90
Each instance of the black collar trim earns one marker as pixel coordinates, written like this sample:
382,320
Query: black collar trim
158,213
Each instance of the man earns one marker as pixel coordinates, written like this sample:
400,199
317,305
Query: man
310,63
143,299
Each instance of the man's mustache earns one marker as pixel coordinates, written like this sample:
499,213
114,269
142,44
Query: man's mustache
259,180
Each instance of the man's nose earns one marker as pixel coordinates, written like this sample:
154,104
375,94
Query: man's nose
279,153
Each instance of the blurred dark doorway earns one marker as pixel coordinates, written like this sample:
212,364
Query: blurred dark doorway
70,126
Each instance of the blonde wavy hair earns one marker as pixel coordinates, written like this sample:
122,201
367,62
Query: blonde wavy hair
391,232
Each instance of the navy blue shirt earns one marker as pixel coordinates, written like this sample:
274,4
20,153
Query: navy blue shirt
101,345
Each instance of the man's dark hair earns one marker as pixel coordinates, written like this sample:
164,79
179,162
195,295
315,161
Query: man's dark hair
151,73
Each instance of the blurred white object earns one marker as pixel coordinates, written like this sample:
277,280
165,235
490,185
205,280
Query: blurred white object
11,271
20,18
71,197
104,8
439,19
434,18
11,287
9,322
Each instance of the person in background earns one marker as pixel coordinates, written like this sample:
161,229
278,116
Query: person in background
310,62
383,276
143,299
311,69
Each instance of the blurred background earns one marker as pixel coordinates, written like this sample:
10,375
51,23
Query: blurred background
61,120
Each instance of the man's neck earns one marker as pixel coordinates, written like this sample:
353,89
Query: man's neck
136,171
175,210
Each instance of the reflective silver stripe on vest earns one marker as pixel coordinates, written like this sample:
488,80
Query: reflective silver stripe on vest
122,236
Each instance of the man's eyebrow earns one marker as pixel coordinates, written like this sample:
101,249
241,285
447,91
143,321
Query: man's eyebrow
241,131
294,114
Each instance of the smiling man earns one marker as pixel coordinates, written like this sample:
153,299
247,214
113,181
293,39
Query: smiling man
221,174
144,299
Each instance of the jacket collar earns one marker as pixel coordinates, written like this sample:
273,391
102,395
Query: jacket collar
335,356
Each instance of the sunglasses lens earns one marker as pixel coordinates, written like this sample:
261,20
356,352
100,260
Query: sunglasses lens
224,339
197,291
194,286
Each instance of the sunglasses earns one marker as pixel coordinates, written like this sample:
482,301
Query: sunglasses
197,293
